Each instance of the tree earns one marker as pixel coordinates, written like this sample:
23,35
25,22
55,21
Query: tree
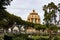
4,3
54,8
7,20
50,11
4,23
40,27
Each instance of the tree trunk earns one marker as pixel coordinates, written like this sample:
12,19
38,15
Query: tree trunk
11,30
19,27
6,30
50,34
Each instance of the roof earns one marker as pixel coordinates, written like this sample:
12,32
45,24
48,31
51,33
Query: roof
33,13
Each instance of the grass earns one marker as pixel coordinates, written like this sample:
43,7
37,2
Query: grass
38,37
58,36
1,37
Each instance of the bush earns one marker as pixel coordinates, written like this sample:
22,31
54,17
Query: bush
44,38
7,37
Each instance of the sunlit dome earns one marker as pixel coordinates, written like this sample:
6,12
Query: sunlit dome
33,17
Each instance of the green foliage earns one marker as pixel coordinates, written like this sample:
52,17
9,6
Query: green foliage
50,18
39,26
56,38
50,13
58,28
53,28
1,37
20,37
7,19
40,37
4,3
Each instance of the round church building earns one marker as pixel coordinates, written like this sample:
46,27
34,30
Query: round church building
33,17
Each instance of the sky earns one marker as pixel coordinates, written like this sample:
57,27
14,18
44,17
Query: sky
23,8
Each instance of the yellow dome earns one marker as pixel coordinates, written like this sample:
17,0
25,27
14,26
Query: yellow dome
34,17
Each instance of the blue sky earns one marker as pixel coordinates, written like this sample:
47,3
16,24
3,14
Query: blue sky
23,8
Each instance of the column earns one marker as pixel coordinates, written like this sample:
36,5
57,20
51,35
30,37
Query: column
33,20
37,20
30,19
